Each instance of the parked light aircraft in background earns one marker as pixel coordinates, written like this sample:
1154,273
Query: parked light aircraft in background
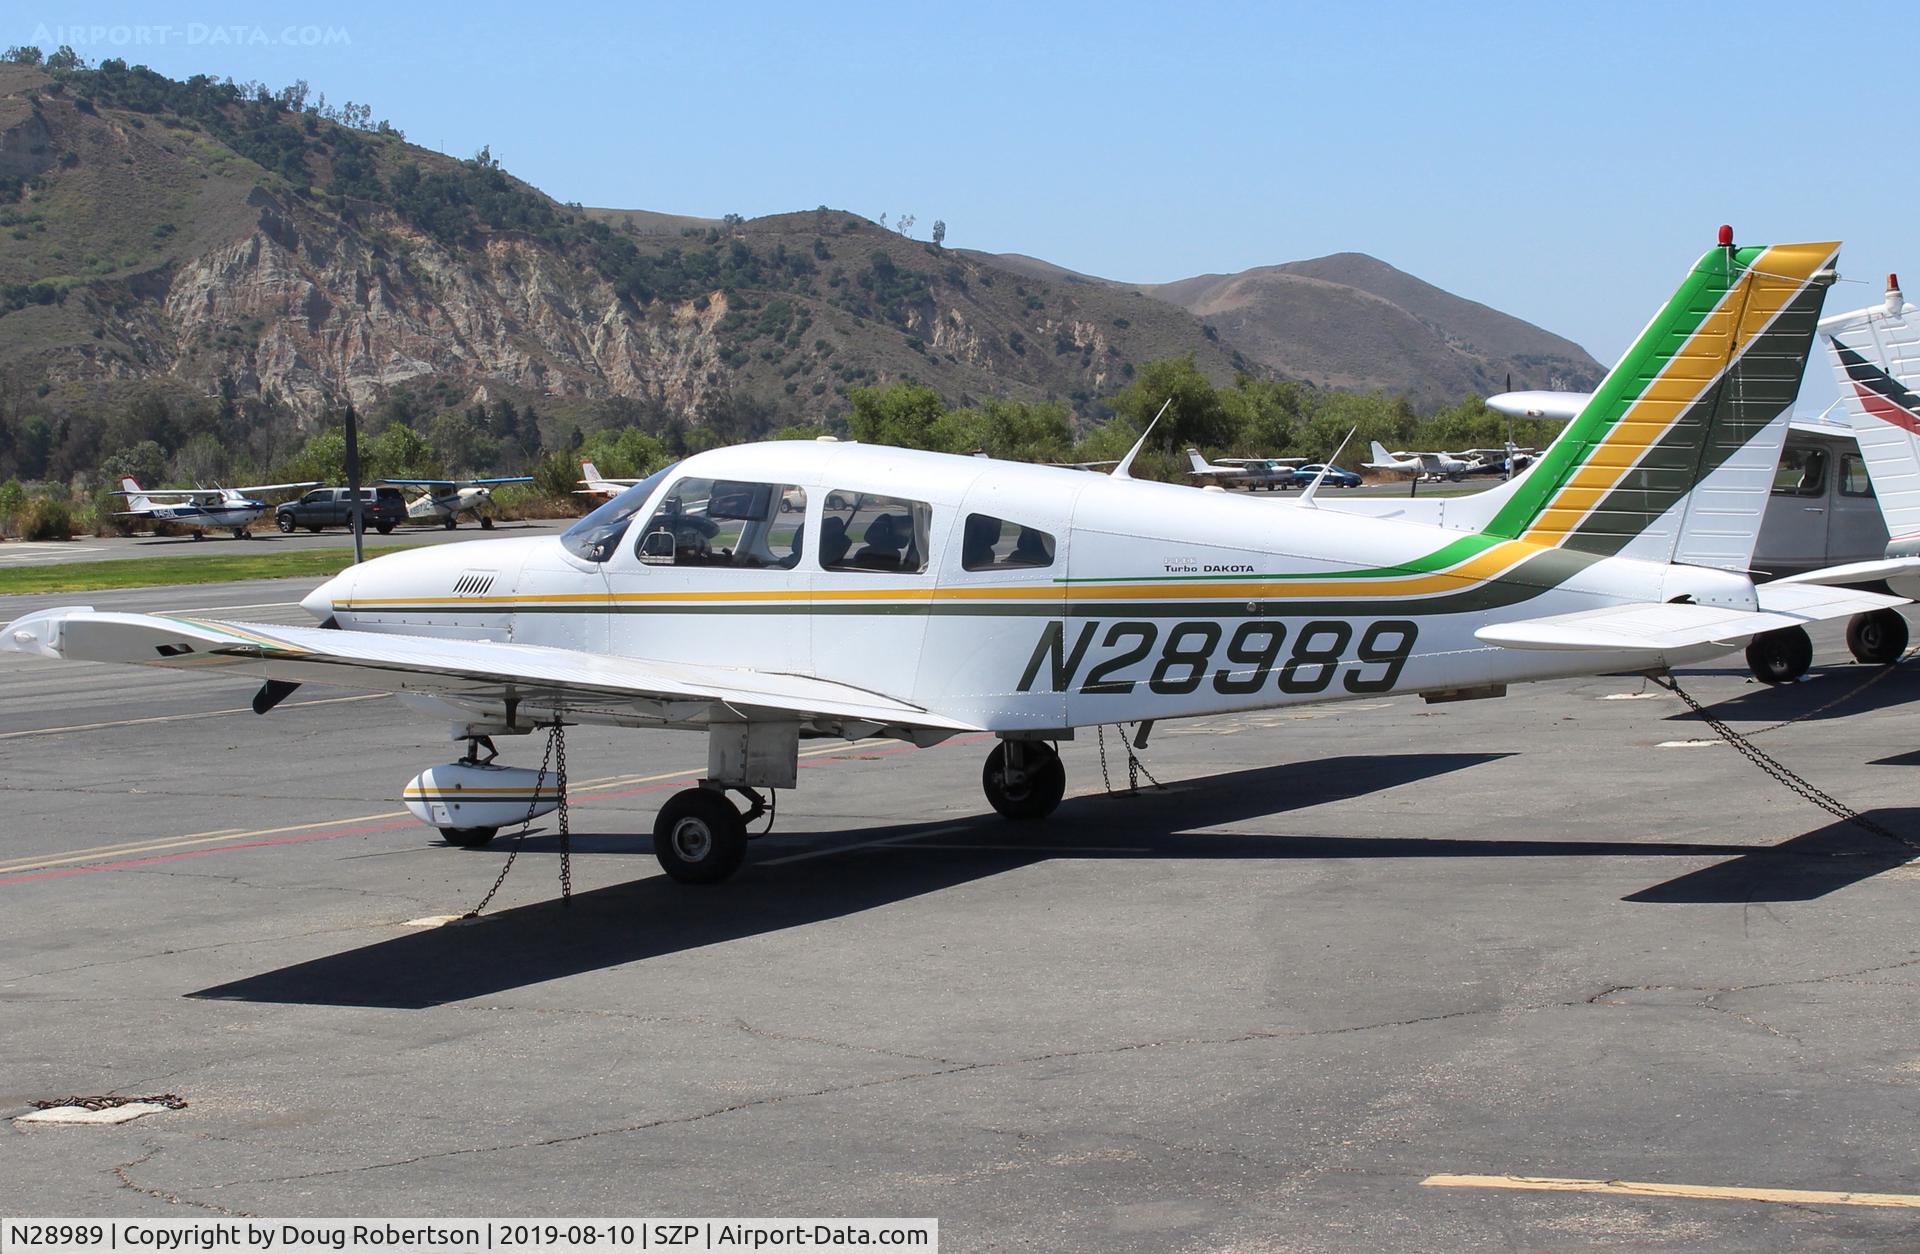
922,595
1251,473
446,499
202,509
1452,466
594,483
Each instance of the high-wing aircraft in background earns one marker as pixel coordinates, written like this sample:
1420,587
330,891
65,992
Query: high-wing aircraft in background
921,595
1251,473
202,509
1454,466
593,483
446,499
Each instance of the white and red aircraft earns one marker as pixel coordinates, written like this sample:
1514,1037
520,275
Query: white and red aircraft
920,595
593,483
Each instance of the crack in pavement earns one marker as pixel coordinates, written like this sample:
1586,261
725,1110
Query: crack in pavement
171,1199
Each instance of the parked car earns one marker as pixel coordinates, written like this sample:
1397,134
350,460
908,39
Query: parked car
383,508
1336,477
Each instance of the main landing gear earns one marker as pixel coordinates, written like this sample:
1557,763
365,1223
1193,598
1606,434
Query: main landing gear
1879,638
700,837
1780,657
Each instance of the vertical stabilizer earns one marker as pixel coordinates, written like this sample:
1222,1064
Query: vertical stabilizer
1875,355
136,498
1672,458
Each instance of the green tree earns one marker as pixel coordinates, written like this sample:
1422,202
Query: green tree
397,453
1194,417
145,463
902,415
628,454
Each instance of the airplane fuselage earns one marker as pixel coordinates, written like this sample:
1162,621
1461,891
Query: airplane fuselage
1155,601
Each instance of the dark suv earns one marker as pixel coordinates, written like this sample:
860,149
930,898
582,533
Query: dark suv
383,508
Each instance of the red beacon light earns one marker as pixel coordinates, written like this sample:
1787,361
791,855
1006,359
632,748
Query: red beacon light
1726,236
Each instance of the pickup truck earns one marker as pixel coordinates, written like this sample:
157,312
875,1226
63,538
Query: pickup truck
383,508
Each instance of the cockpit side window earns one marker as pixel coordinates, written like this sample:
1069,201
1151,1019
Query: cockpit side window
1802,472
726,523
596,537
881,534
989,543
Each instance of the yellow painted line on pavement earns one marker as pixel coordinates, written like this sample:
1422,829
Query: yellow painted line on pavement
226,835
1703,1192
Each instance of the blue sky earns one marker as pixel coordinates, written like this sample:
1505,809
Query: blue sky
1563,163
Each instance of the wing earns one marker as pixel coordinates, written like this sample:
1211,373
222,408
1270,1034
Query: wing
422,483
487,483
278,487
588,687
170,496
1656,626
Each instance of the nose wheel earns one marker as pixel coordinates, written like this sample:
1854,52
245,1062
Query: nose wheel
1024,779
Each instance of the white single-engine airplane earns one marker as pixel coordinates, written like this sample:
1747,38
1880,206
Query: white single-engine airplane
446,499
1251,473
920,595
1454,466
202,509
593,483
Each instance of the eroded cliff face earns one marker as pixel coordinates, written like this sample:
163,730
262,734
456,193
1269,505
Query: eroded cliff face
307,311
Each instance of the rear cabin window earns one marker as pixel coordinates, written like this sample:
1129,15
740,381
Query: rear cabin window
883,534
1802,472
989,543
1853,476
726,523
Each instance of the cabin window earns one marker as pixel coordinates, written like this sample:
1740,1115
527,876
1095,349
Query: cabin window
989,543
726,523
1853,476
884,534
1802,472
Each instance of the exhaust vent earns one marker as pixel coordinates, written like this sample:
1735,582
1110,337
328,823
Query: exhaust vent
474,583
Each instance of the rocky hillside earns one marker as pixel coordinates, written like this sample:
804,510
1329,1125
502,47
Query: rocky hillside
1352,321
246,245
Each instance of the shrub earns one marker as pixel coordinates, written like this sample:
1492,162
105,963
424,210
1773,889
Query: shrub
46,518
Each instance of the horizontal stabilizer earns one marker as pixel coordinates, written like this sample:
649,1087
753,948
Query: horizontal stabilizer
572,680
1656,627
1854,574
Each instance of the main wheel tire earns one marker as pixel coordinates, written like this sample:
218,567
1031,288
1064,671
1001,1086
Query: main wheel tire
1878,638
451,523
240,533
385,529
285,523
699,837
468,837
486,522
1780,657
1036,793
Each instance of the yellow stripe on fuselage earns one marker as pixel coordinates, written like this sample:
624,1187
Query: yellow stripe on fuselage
1475,570
1748,308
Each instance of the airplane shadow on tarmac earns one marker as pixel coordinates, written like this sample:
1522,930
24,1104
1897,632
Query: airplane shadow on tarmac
1841,692
790,884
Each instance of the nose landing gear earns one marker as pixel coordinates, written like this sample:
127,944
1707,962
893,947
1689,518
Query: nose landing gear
1024,779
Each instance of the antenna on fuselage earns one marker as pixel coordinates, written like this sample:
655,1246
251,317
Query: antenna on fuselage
1120,471
1306,498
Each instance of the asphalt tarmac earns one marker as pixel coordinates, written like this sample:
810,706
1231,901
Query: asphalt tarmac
263,540
1355,974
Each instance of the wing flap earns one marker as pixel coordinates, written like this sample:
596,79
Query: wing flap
453,668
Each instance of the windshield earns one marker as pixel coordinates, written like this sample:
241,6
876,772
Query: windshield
596,537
